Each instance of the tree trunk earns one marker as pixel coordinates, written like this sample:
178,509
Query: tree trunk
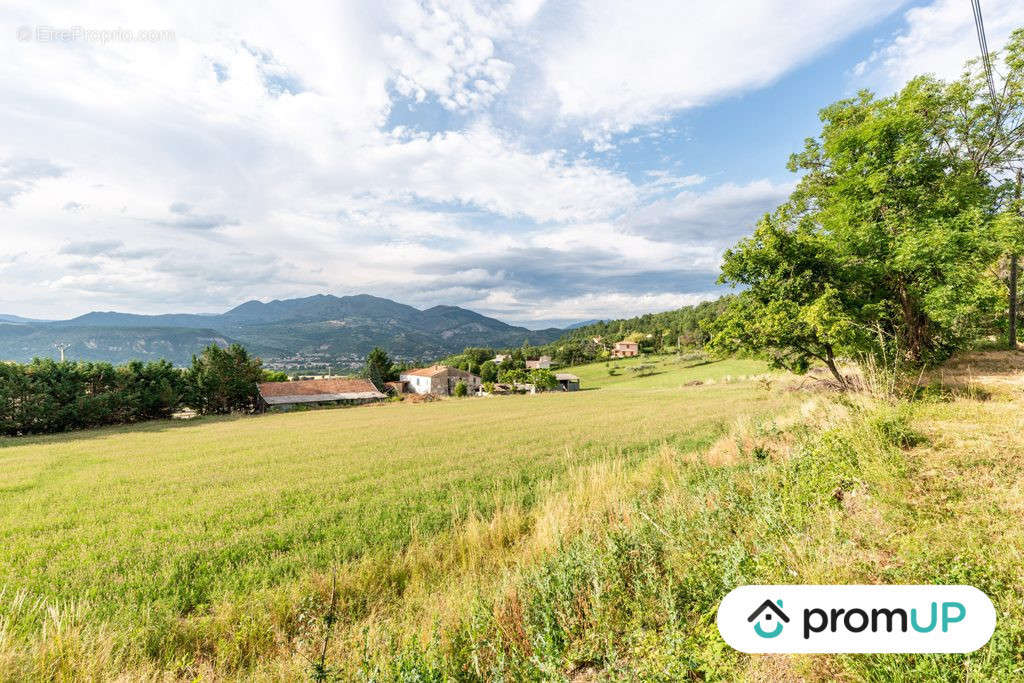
830,361
915,325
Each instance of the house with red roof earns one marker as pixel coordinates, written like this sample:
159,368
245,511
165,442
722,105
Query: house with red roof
439,380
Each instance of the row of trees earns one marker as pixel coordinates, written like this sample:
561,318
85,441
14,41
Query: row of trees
893,247
47,396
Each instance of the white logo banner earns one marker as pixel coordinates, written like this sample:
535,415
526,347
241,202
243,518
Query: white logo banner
856,619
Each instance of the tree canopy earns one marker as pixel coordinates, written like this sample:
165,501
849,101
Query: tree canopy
379,369
222,381
886,248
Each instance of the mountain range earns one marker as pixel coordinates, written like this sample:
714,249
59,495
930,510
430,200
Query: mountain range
312,332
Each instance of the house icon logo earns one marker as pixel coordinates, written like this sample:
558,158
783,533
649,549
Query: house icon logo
764,616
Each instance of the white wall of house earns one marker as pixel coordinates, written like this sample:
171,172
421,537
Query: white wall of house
417,383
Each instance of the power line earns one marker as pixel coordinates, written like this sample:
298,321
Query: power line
979,24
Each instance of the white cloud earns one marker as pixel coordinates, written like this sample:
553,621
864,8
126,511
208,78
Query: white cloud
20,175
613,65
255,154
718,216
447,50
938,39
481,168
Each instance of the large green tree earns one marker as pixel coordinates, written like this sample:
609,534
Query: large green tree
886,246
794,306
378,368
223,381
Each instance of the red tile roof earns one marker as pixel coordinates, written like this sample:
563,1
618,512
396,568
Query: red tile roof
314,387
426,372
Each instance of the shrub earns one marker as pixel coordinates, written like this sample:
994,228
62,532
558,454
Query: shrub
461,389
275,376
489,371
543,379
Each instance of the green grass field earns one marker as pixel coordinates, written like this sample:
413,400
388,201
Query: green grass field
581,537
138,537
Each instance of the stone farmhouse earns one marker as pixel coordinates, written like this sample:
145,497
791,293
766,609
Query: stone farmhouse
439,380
542,363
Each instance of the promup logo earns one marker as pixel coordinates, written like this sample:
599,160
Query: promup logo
765,614
856,619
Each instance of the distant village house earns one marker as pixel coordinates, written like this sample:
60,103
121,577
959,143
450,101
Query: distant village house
625,349
286,395
542,363
439,380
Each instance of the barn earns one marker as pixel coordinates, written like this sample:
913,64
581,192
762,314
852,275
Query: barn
346,391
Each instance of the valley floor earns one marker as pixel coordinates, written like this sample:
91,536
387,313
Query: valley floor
581,537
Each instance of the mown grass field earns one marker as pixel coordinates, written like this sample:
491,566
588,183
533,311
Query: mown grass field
185,548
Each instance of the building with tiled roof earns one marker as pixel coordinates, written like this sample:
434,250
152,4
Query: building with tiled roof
542,363
439,380
625,349
344,390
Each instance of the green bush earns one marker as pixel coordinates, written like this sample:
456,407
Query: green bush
543,379
461,389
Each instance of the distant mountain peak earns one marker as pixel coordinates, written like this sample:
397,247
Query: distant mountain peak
306,332
582,323
8,318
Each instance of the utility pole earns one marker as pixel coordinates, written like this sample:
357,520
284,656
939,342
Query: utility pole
979,25
61,346
1013,282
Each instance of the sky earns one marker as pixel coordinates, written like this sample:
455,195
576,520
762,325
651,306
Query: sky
541,162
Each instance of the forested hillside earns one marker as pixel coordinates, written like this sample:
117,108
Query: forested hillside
320,332
680,329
